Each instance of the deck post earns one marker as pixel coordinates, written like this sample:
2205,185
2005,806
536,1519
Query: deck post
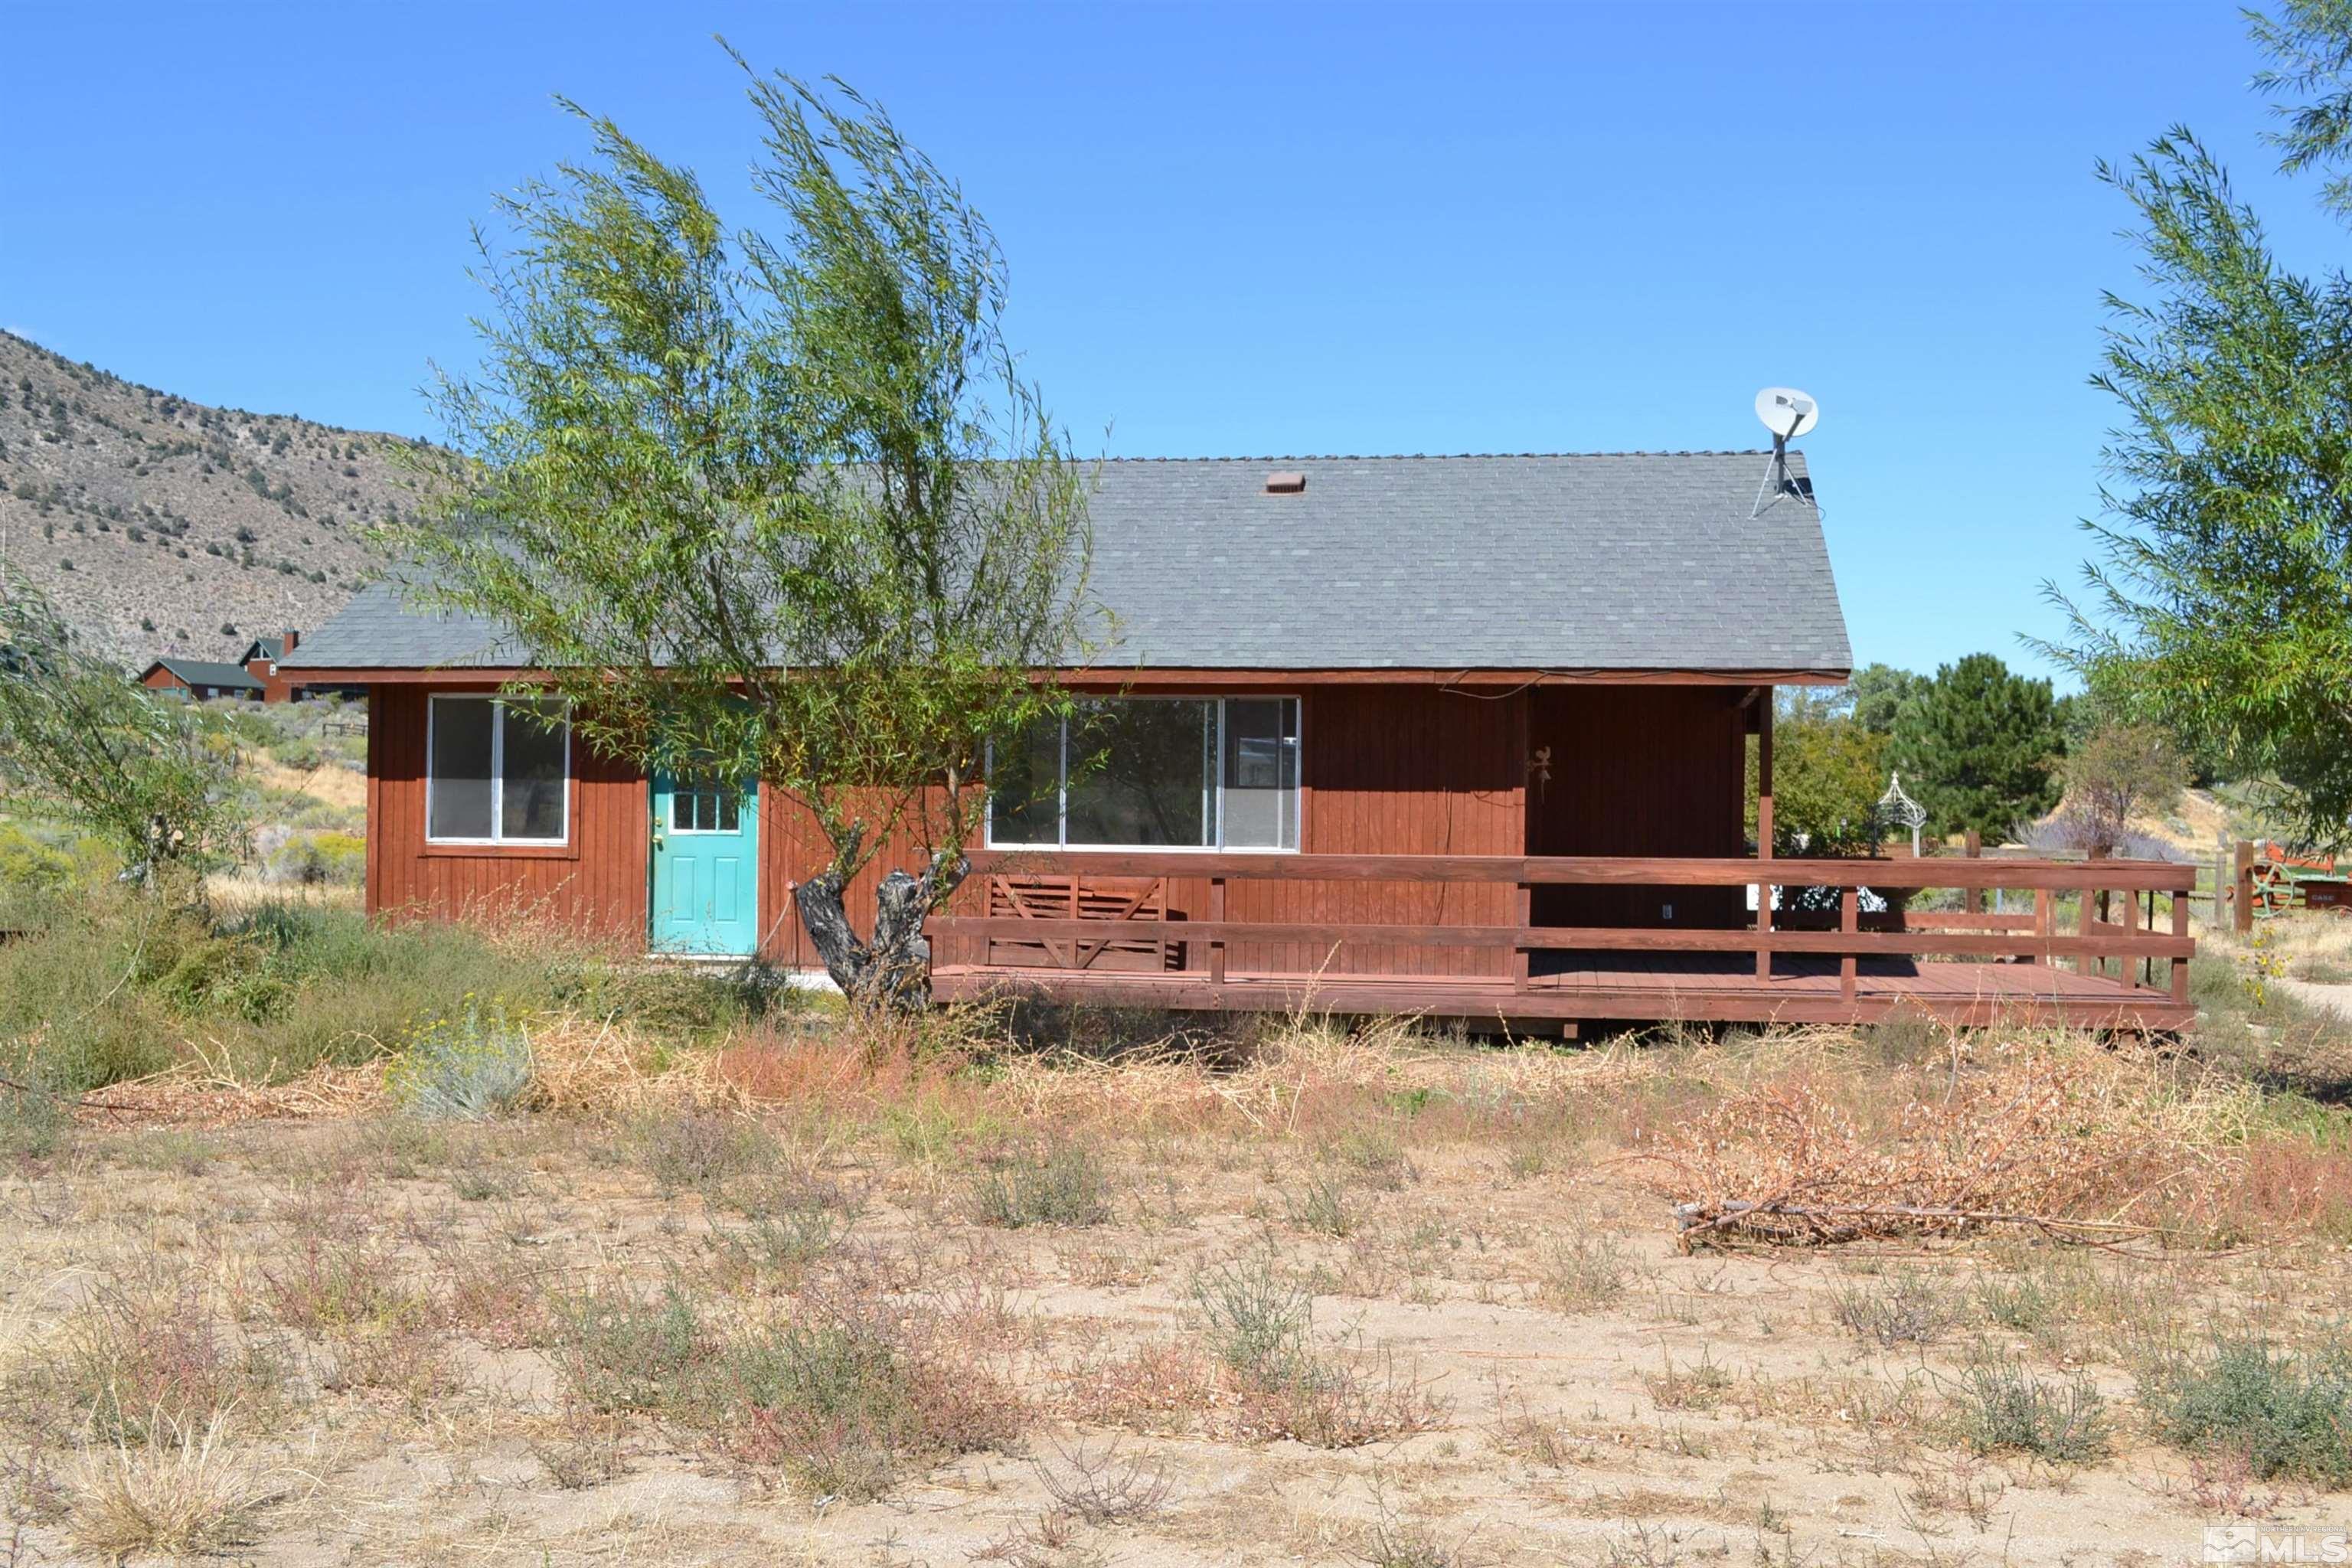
2131,928
1850,923
1217,944
2045,922
2241,890
2179,965
1764,831
1972,899
1523,910
2088,925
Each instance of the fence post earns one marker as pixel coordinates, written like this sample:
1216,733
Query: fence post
1850,923
1217,944
1764,835
2181,928
1972,899
2089,922
2046,920
1523,911
2242,889
2130,923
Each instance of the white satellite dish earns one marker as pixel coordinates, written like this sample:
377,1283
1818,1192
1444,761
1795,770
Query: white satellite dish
1786,412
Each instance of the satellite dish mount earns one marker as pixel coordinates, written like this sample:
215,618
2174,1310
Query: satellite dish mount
1787,414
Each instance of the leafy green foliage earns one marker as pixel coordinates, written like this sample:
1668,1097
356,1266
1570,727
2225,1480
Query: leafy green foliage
2221,600
2312,42
152,778
2117,772
1827,772
1877,693
1975,746
777,507
2285,1414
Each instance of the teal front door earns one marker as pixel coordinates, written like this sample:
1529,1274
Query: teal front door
706,882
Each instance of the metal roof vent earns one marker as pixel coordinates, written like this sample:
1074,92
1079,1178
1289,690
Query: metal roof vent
1285,482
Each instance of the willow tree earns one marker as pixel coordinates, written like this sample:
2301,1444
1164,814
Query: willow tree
2221,602
153,776
775,506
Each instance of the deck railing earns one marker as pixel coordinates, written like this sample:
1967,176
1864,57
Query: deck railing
2124,946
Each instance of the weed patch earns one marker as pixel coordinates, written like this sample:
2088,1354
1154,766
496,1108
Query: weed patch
2282,1414
1062,1185
2004,1408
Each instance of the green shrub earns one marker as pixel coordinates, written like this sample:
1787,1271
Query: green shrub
467,1067
699,1151
2284,1415
1906,1307
1586,1272
33,1125
1063,1186
1259,1324
839,1397
621,1353
2004,1408
1323,1203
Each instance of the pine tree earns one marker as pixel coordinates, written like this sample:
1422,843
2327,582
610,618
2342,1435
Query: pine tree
1976,745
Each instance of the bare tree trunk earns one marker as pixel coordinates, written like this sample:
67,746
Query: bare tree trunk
894,968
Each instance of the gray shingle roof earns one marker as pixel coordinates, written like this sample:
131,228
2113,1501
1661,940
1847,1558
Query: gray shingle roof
1618,561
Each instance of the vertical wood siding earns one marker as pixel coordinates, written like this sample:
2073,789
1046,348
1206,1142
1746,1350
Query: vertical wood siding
597,884
1399,770
1639,771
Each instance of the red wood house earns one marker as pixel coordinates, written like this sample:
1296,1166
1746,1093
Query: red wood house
254,677
1463,735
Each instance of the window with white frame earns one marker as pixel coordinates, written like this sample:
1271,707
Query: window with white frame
498,770
1151,772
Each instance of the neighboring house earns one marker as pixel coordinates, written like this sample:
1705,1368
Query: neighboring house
1463,735
254,676
202,678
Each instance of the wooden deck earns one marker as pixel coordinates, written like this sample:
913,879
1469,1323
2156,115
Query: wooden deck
1969,967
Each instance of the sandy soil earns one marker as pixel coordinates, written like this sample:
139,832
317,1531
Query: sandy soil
1583,1392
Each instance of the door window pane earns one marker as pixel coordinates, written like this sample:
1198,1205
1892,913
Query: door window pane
1139,772
703,806
1262,772
459,791
532,773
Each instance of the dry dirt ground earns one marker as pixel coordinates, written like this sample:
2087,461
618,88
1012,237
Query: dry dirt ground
379,1325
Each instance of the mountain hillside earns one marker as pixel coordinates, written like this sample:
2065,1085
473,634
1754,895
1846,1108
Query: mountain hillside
164,526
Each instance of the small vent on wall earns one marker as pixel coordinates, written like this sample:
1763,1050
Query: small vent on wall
1285,483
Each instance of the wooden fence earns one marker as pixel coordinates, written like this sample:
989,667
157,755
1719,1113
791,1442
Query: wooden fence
2114,933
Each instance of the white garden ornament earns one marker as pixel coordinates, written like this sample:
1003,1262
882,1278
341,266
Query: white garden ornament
1894,807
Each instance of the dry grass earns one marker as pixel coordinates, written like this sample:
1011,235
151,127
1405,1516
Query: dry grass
180,1493
977,1288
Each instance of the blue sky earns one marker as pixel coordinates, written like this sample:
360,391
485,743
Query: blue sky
1236,231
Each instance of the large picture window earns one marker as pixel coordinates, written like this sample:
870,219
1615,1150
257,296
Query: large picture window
498,770
1152,772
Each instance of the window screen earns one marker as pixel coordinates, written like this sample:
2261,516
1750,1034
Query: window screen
460,782
498,772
